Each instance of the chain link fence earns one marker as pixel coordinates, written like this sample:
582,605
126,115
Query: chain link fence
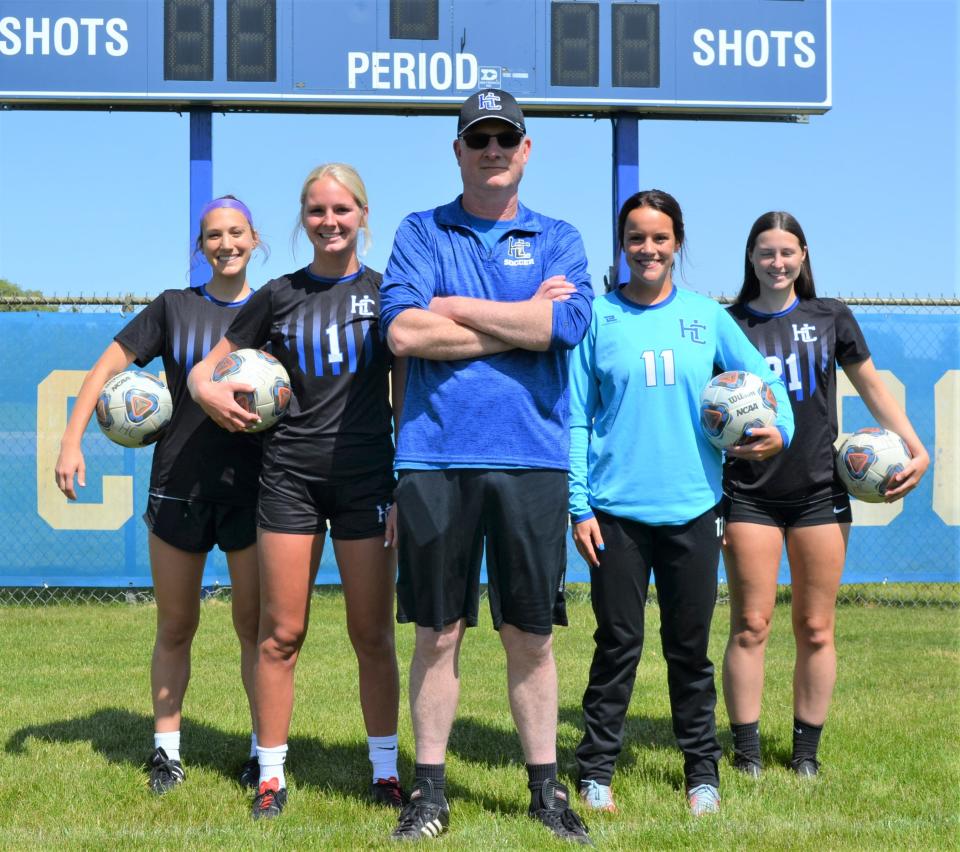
916,344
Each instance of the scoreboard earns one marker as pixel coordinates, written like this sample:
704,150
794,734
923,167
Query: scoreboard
708,57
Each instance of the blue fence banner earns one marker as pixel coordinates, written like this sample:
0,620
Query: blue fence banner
101,541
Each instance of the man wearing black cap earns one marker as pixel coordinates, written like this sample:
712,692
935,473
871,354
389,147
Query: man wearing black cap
484,297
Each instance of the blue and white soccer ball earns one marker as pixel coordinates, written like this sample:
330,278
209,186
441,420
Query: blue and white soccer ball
733,402
868,460
271,397
134,408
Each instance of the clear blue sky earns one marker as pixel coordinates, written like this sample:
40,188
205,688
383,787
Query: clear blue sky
96,203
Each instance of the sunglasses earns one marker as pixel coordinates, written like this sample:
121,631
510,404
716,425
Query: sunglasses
479,141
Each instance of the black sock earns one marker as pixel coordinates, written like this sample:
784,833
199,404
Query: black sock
436,773
539,773
746,740
806,740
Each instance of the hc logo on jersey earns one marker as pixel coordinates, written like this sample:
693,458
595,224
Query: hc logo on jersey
803,334
693,330
488,100
517,254
383,509
361,306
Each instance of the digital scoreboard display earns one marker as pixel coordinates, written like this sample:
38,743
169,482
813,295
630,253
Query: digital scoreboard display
559,56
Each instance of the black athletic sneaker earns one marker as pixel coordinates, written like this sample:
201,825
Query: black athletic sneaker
387,791
805,767
165,773
422,818
249,775
270,799
551,805
747,765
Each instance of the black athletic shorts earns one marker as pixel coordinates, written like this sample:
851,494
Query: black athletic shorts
197,525
830,505
446,517
356,508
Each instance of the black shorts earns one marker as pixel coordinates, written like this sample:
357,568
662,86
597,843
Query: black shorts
197,525
446,517
829,505
356,508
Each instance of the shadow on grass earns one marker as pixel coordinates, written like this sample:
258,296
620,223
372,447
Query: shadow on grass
124,737
475,741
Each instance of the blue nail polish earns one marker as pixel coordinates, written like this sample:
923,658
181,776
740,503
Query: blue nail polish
600,547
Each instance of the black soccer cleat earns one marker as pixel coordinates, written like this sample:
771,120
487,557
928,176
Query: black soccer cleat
551,806
165,774
270,800
425,816
387,791
750,766
805,767
249,775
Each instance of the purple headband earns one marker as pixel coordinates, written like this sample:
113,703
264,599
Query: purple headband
232,203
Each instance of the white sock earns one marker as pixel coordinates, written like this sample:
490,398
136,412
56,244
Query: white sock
271,763
253,745
383,756
169,742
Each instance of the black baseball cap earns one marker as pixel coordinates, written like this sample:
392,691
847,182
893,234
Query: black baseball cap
490,103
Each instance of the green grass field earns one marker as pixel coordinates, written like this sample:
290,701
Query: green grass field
75,728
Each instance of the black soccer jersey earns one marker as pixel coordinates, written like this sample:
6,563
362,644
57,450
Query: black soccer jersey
326,333
803,343
195,459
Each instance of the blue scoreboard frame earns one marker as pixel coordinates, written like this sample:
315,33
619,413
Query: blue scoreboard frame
708,57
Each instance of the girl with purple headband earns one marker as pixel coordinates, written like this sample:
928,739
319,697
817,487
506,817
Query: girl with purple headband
203,481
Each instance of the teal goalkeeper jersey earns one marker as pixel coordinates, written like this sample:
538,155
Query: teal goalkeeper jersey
636,447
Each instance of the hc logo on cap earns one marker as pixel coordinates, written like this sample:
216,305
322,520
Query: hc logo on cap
488,100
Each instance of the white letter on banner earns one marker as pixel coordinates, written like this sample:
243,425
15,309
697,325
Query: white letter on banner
731,46
946,454
869,514
705,55
380,68
468,71
403,76
10,43
66,46
441,71
91,25
757,48
34,35
357,63
805,57
52,505
120,45
780,37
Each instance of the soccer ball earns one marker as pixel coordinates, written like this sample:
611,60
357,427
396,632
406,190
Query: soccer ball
254,367
868,460
732,403
134,408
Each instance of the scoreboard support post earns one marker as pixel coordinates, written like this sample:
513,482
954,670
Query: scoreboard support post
626,181
201,180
